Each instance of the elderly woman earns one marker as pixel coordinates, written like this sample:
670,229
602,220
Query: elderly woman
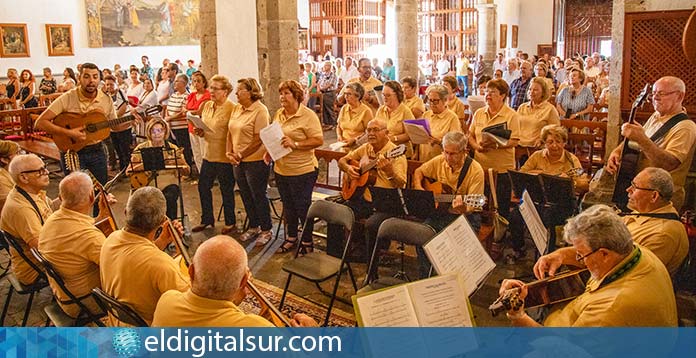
354,115
453,103
216,115
27,98
535,115
48,83
541,70
157,133
442,121
576,100
296,172
490,153
245,151
8,150
411,100
393,113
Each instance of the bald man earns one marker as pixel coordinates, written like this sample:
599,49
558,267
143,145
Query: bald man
219,275
672,151
71,243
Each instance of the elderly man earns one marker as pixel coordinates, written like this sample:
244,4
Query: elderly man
70,241
219,275
327,85
25,211
520,86
654,222
133,270
629,285
671,150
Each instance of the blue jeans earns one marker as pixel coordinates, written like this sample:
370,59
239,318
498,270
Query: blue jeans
224,174
92,158
252,179
464,80
296,195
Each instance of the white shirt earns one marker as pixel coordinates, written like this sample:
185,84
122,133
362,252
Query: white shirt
499,66
348,73
443,66
163,91
509,77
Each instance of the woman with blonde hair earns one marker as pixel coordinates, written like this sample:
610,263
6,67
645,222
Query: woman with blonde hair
535,115
393,112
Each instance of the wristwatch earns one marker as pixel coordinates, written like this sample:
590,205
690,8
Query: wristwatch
297,145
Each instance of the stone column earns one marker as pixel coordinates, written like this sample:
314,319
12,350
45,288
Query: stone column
209,46
487,32
277,46
407,38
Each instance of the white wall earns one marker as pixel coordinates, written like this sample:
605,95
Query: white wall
303,13
536,24
237,39
508,12
652,5
37,13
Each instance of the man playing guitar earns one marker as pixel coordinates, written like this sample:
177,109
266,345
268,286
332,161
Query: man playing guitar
83,99
673,151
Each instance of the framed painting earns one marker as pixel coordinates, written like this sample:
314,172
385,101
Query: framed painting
14,41
515,31
503,35
59,39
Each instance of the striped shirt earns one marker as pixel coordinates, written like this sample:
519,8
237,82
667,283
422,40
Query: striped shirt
177,102
575,102
518,92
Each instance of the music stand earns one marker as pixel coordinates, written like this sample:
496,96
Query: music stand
559,205
420,203
387,201
529,182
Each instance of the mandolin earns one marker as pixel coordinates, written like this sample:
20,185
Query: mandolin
444,194
104,221
628,165
97,127
350,186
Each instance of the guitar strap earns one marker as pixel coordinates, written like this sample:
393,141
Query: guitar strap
462,174
123,98
668,125
31,201
666,216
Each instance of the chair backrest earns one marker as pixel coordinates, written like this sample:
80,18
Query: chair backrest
14,243
408,232
119,310
332,213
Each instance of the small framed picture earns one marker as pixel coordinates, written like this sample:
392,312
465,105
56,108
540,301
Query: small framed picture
503,35
515,30
14,41
59,39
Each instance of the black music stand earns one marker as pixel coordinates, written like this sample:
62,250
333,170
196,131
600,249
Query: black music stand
559,203
530,182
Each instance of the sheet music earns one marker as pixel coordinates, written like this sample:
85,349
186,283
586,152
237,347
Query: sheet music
198,123
271,137
388,308
439,302
336,146
540,235
417,133
457,249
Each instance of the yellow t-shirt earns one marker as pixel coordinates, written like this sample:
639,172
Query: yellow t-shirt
298,127
187,309
368,85
71,243
395,122
539,162
20,220
502,159
134,271
643,297
353,121
216,119
532,120
74,102
366,152
414,102
457,106
440,124
244,125
6,185
167,176
438,170
666,238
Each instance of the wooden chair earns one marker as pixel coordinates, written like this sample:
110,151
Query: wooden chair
46,99
587,140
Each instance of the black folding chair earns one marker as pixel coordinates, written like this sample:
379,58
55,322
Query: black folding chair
117,309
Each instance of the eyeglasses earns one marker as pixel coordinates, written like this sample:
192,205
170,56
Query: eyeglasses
157,130
42,171
662,94
636,187
581,258
374,130
434,101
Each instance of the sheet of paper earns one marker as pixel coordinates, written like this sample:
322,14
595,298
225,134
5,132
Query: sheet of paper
441,302
198,123
540,235
416,133
457,249
271,137
337,146
389,308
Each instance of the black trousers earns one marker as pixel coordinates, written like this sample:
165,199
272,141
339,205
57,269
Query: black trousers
296,195
122,142
252,179
183,140
223,172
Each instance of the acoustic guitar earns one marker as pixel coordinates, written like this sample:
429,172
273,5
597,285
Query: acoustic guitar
629,157
350,186
444,195
97,127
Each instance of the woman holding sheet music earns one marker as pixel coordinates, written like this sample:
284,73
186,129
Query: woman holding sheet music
296,172
354,115
393,112
245,151
441,119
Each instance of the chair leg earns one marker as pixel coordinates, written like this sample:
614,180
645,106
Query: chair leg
220,212
281,220
333,297
352,277
285,292
7,305
28,309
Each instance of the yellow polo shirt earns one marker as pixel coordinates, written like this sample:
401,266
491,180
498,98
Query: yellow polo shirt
532,120
167,176
502,159
71,243
6,185
216,118
643,297
134,271
414,102
298,127
666,238
366,152
74,102
438,169
457,106
353,121
395,122
369,85
539,162
20,220
244,125
680,142
440,124
187,309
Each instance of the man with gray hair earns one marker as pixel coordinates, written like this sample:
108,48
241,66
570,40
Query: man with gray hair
629,286
219,275
654,222
133,270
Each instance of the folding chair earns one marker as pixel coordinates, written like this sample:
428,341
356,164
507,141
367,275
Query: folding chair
316,266
6,247
19,287
54,311
117,309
